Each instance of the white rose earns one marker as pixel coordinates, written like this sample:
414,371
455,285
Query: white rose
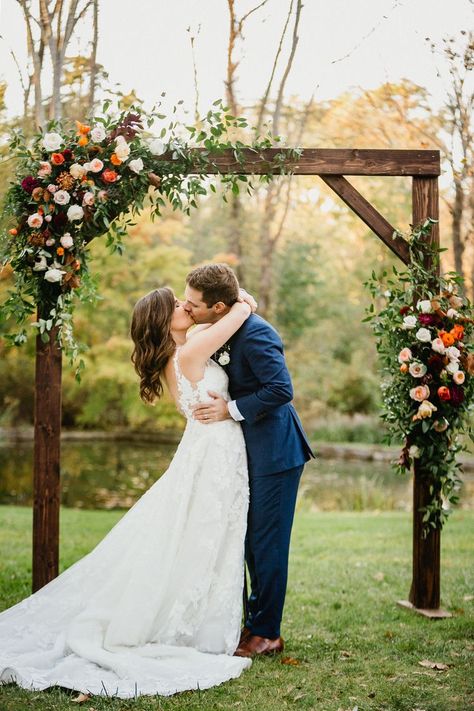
157,147
423,335
424,306
452,313
122,151
452,367
75,212
414,451
54,275
417,370
66,240
453,353
136,165
35,220
52,188
438,346
426,409
95,165
224,358
49,242
97,134
40,265
62,197
409,322
88,199
387,293
52,141
77,170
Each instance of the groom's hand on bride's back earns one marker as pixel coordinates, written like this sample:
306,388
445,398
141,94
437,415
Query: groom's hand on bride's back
214,411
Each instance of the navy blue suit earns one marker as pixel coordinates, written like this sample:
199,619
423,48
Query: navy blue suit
277,450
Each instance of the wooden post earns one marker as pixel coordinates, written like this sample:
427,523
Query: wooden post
425,587
46,461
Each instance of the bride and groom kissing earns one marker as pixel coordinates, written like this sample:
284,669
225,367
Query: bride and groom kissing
156,607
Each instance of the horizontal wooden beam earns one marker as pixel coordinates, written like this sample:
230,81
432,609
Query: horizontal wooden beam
326,161
367,212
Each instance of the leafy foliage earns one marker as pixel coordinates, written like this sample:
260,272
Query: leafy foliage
424,334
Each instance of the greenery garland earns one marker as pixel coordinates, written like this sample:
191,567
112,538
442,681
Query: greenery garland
77,183
424,329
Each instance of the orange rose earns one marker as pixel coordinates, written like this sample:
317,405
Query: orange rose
13,231
60,251
404,368
76,264
110,176
57,158
115,159
83,141
443,393
457,331
447,338
82,128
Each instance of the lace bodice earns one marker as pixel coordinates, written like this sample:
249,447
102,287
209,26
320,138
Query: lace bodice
189,394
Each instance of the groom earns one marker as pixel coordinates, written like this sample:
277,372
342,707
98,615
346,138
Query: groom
277,447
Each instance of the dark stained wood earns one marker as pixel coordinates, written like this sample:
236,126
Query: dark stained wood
328,161
46,462
425,586
367,212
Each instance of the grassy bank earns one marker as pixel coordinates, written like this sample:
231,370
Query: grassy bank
349,644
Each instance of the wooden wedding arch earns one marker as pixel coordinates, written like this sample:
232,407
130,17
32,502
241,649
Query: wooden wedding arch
331,165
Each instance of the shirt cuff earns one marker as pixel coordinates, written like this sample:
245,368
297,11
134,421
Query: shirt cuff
234,411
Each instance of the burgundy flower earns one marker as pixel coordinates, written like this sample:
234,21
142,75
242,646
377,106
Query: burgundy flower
59,220
436,363
404,310
457,394
67,154
426,319
29,183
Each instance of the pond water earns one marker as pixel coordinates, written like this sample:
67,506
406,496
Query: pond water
114,474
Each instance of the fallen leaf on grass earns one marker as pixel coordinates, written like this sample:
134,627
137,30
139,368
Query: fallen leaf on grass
439,666
468,598
379,576
345,654
291,661
81,698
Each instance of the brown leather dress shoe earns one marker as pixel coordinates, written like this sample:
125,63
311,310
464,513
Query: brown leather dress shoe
244,635
254,646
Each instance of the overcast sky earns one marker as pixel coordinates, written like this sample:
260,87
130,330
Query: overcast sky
145,45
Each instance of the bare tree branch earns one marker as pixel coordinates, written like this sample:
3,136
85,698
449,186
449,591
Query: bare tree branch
294,44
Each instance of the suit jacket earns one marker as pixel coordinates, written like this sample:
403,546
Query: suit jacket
260,384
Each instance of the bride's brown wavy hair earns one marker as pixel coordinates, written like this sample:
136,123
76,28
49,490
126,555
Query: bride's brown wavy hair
153,343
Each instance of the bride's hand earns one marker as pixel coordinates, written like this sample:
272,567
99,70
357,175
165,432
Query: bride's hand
248,299
242,307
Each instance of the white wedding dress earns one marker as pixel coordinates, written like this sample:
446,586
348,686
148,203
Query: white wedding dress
156,607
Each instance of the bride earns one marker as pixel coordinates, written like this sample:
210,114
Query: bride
156,607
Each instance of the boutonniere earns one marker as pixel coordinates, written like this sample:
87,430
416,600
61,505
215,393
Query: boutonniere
222,356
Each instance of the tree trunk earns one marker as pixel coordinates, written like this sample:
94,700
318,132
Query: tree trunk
93,64
456,226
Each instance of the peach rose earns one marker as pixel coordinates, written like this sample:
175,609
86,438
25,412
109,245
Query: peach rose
57,158
459,377
110,176
420,393
404,355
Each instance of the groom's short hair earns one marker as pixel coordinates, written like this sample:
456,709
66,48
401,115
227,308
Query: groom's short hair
217,282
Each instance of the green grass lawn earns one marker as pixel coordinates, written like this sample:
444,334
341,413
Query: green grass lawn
349,644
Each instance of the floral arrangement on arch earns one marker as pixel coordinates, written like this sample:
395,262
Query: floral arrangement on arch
77,183
424,328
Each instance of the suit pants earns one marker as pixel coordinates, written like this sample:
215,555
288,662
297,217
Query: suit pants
267,544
